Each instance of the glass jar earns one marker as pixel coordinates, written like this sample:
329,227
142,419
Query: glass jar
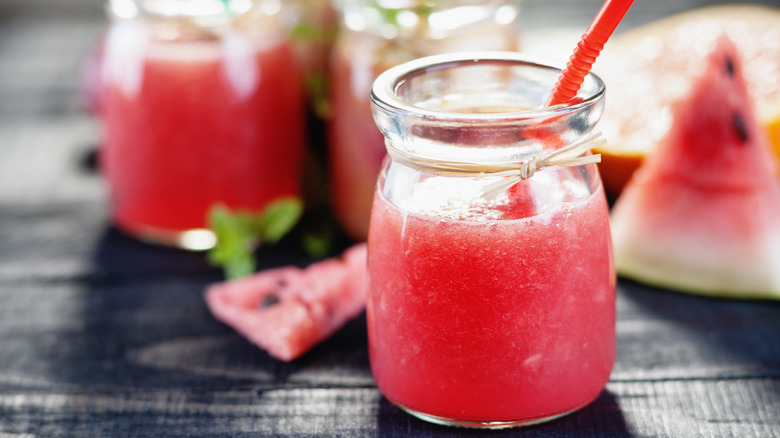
202,105
492,298
373,38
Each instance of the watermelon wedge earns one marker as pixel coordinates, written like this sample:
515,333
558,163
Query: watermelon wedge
702,214
287,311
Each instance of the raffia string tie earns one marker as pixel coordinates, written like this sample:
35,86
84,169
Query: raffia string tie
511,172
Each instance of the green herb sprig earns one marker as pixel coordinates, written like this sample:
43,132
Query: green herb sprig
240,233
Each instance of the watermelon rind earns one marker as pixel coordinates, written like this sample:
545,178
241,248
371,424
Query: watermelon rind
697,260
702,214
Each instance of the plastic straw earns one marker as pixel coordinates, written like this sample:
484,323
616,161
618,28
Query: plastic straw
587,50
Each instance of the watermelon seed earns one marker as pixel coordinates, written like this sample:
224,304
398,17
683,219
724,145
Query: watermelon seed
740,125
269,301
730,69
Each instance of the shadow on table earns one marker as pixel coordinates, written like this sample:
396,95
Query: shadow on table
146,325
602,418
686,336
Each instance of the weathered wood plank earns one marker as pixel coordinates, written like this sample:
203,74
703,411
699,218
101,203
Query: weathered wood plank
111,330
44,161
670,335
75,241
72,241
729,408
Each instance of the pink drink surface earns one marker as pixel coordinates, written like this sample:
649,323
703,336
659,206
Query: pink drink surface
200,124
495,319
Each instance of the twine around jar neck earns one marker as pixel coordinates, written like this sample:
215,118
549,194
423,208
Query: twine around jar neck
512,171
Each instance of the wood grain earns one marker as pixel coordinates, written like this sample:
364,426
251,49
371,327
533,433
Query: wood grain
101,335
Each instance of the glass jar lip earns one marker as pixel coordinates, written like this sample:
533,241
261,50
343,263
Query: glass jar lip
384,91
171,9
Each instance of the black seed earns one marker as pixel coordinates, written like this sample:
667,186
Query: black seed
739,124
269,301
89,161
730,66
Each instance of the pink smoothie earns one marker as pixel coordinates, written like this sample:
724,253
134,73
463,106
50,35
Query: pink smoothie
496,315
192,124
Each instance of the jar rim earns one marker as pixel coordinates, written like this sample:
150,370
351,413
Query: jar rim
215,10
384,91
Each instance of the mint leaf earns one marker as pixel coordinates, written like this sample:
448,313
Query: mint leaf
239,233
278,219
239,265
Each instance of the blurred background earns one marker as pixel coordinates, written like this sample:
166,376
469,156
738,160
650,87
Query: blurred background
48,137
45,45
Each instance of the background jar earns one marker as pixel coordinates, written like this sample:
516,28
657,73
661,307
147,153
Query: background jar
487,309
202,104
374,37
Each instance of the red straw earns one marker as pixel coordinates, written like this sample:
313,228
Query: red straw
589,47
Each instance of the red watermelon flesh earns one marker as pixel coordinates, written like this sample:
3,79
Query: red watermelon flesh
287,311
702,214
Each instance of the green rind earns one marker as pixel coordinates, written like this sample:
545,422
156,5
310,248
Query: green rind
682,278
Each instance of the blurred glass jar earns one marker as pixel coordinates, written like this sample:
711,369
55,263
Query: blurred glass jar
376,35
202,105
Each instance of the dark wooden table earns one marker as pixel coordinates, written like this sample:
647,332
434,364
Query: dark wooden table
103,336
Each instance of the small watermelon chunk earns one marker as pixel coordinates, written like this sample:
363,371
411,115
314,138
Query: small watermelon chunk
702,214
287,311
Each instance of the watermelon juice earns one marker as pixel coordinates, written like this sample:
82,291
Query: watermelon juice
194,123
485,311
491,319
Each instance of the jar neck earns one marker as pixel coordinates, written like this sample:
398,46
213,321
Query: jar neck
207,15
478,110
424,19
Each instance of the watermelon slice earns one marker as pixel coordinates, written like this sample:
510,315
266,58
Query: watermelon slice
702,214
286,311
